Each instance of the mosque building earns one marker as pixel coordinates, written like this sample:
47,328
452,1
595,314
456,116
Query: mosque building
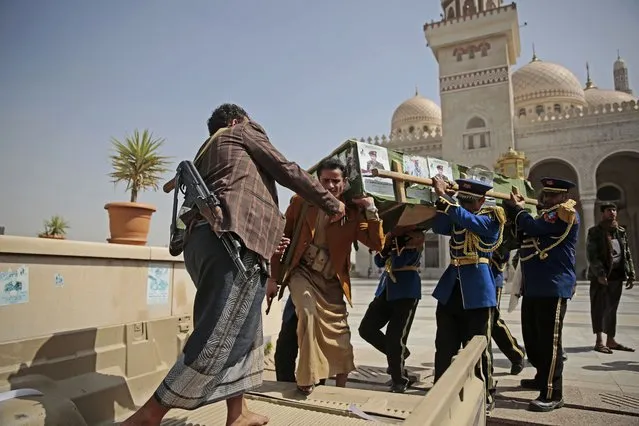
538,120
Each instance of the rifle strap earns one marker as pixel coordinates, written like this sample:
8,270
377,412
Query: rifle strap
284,271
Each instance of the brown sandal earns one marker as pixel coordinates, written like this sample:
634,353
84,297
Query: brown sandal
603,349
620,347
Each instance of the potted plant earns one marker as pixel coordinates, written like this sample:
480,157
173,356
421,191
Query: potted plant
55,228
136,162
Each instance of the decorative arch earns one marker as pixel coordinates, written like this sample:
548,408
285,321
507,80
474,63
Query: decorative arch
477,134
607,156
561,168
618,170
469,8
571,167
620,151
476,123
610,191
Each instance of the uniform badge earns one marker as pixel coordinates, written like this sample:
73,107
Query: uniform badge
550,217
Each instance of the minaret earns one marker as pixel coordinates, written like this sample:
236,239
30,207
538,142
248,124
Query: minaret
475,45
620,73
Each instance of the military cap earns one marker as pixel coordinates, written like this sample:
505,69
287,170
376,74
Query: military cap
473,188
607,205
556,185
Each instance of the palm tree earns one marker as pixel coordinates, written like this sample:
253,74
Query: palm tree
55,227
136,161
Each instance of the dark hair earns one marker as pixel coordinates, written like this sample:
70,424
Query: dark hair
331,164
223,115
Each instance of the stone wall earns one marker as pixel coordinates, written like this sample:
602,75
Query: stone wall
70,285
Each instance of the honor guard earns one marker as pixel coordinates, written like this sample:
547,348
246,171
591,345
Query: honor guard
502,336
547,257
466,291
395,302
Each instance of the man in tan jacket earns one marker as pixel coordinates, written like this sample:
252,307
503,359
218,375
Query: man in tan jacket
318,278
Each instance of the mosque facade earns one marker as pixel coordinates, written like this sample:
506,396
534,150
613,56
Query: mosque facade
582,132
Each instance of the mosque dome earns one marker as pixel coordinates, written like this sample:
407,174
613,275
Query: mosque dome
540,82
416,113
596,96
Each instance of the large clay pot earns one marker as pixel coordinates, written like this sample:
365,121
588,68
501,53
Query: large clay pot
129,222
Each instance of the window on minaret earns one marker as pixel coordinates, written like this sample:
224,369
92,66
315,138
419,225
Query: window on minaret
539,109
490,4
476,135
451,12
557,108
476,123
411,129
484,48
469,7
522,112
426,129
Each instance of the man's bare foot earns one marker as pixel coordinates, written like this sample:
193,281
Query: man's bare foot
150,414
139,419
248,418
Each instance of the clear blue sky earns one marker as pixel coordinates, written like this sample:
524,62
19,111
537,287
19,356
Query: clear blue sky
75,73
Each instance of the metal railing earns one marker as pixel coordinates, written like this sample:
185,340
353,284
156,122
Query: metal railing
459,396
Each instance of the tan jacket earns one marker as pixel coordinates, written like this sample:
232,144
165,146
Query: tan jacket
339,240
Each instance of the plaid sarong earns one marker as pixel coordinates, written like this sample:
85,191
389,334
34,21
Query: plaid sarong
224,356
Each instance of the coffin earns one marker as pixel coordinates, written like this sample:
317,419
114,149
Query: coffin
414,205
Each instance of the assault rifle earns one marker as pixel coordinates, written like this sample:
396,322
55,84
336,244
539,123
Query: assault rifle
196,195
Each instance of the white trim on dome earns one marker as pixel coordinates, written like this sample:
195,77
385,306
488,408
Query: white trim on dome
596,96
545,82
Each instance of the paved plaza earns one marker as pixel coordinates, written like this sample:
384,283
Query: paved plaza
599,389
585,368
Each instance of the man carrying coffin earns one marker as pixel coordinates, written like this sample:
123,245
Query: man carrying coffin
466,292
547,257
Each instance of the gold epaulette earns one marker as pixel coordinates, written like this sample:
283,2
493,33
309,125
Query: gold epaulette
497,211
566,211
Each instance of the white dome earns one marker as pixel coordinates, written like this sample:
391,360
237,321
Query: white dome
540,82
417,111
596,96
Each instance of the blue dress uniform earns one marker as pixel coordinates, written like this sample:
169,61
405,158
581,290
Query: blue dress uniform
547,257
466,292
394,306
502,336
